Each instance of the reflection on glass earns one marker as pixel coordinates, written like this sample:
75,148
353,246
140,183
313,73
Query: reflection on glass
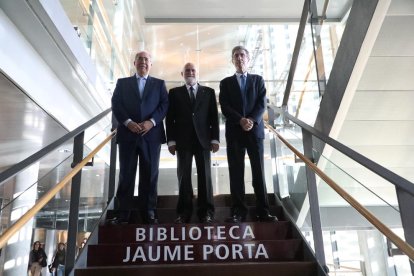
106,30
50,224
293,189
352,244
321,40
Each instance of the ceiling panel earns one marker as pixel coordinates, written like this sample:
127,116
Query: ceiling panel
229,10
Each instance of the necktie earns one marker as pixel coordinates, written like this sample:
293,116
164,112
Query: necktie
141,85
243,91
192,96
242,83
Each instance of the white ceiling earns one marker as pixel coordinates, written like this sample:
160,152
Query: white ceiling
204,32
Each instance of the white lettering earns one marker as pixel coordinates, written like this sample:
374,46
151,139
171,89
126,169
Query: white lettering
188,252
209,231
249,249
139,254
128,254
140,234
237,250
261,250
220,233
226,251
162,234
191,233
172,255
151,252
183,233
151,234
232,234
248,231
173,237
207,250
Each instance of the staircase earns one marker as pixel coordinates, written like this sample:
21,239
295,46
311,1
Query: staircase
250,248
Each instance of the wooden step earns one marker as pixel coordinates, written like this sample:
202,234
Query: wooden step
194,252
217,231
222,269
168,215
222,200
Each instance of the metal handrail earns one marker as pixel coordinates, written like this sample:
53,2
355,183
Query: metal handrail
13,170
376,168
401,244
50,194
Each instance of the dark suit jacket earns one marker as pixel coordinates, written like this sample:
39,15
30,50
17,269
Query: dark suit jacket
127,104
180,117
231,102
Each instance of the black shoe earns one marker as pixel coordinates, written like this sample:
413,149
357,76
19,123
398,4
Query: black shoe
152,220
207,219
181,220
116,221
235,219
267,218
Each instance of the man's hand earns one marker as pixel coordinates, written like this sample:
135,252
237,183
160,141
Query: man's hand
172,149
246,124
134,127
214,147
145,127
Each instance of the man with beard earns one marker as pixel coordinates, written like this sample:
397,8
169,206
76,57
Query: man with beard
193,130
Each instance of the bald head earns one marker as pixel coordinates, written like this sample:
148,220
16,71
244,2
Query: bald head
189,73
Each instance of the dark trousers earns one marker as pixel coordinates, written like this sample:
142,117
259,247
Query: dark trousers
236,150
148,155
205,204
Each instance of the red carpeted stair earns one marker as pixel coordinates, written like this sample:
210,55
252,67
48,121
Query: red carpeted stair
250,248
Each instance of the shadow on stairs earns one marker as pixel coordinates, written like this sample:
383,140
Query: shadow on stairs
219,248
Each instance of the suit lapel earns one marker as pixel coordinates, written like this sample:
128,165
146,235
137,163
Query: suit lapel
148,84
236,86
185,94
134,85
248,82
200,95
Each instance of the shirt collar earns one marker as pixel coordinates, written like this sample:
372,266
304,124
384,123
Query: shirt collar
239,74
195,86
138,76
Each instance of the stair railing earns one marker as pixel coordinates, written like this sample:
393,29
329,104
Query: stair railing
74,176
404,188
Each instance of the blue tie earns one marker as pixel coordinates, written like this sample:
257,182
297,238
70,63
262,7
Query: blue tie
242,83
243,91
141,85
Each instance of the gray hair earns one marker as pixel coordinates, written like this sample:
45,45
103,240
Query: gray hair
242,48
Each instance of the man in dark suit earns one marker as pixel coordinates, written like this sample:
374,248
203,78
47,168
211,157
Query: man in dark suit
193,130
243,100
140,104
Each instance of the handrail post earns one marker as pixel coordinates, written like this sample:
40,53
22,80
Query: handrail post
406,205
314,201
74,205
112,170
